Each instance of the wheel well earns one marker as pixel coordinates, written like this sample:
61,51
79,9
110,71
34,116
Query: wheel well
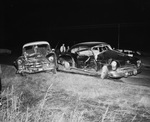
66,58
110,61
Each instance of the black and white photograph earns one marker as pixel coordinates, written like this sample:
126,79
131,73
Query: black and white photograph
75,61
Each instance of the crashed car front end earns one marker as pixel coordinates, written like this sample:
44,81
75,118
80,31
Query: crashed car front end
126,70
36,64
39,60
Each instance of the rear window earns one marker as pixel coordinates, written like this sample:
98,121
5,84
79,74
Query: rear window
74,50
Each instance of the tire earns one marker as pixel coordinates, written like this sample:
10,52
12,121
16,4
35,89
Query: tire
135,72
104,72
66,65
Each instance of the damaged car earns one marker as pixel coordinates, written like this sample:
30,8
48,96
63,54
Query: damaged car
98,58
36,57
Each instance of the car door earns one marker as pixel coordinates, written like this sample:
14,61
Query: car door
100,58
85,59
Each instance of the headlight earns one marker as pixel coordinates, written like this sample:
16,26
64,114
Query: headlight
51,58
19,61
138,63
114,65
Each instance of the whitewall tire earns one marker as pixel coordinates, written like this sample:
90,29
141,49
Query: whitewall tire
66,65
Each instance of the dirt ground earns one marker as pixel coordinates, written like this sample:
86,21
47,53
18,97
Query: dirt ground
74,97
75,90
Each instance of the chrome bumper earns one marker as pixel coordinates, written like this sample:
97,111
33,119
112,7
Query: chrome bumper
35,69
124,72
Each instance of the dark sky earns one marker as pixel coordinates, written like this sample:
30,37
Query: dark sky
73,21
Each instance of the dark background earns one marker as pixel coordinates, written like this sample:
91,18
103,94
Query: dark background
73,21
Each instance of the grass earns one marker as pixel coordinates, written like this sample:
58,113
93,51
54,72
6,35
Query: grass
71,98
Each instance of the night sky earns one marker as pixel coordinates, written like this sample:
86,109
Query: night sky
72,21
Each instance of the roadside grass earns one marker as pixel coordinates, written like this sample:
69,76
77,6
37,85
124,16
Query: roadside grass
71,98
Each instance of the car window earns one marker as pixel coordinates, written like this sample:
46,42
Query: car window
44,46
85,53
103,48
74,50
95,48
42,49
28,49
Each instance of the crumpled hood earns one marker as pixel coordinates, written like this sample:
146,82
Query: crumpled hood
121,57
115,54
36,58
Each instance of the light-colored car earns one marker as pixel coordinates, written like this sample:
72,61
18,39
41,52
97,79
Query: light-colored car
36,57
100,59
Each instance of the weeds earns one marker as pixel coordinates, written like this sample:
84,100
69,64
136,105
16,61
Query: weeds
82,111
29,103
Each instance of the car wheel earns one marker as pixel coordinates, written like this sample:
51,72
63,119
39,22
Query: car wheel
66,65
135,72
104,72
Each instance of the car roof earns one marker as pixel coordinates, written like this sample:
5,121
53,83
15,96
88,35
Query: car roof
89,44
35,43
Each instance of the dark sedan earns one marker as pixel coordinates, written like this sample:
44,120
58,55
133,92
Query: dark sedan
100,59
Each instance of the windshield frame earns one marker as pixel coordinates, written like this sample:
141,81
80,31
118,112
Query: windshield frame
31,47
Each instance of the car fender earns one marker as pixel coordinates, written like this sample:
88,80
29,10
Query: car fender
52,54
19,58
